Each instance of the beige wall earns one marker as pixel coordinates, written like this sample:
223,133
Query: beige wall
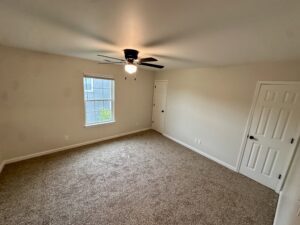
41,101
213,104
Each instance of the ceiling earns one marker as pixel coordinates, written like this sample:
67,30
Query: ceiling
181,34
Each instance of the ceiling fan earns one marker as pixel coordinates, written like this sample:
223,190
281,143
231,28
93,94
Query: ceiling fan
131,61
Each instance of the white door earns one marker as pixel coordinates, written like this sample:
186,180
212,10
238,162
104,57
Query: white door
159,105
273,134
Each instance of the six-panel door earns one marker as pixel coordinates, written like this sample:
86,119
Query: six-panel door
273,130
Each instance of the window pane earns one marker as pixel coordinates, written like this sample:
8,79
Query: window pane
89,106
107,83
107,105
97,83
105,115
106,93
88,84
98,105
90,118
98,100
97,94
90,95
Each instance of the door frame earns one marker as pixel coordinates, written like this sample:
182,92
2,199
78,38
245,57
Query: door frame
167,82
248,125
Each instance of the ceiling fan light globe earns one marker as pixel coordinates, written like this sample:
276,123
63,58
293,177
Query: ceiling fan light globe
130,68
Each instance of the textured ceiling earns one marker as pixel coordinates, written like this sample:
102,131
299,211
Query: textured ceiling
181,34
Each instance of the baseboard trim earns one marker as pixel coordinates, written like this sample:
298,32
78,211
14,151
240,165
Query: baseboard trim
201,153
47,152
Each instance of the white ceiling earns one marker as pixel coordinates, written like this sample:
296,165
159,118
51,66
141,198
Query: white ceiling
180,34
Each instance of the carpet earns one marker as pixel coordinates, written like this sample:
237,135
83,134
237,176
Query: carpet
140,179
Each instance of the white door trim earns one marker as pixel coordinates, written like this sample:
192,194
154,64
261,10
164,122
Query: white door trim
248,125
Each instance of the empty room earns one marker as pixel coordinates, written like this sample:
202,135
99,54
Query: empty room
142,112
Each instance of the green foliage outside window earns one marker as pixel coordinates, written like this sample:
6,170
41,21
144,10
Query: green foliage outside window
105,114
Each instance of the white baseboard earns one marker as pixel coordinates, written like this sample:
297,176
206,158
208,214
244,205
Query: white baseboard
20,158
202,153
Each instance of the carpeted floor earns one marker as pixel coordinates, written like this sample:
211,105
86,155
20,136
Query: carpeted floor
142,179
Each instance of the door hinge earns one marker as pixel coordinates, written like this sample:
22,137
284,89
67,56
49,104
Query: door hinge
279,176
292,140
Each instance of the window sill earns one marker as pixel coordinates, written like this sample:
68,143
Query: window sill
99,124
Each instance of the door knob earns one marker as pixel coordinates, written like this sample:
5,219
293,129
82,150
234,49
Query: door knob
162,111
251,137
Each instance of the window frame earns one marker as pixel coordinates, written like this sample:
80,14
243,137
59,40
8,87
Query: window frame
113,120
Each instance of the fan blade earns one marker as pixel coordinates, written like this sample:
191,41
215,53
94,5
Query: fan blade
148,59
111,57
152,65
110,62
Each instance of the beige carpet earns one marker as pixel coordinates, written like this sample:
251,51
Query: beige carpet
140,179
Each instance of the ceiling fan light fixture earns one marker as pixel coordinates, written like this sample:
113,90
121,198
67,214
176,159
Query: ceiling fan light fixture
130,68
131,61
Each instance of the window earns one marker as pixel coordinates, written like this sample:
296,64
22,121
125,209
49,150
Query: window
98,100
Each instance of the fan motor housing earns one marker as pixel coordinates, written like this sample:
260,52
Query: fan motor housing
131,54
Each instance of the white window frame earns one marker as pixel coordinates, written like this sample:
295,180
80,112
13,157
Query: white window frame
112,100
